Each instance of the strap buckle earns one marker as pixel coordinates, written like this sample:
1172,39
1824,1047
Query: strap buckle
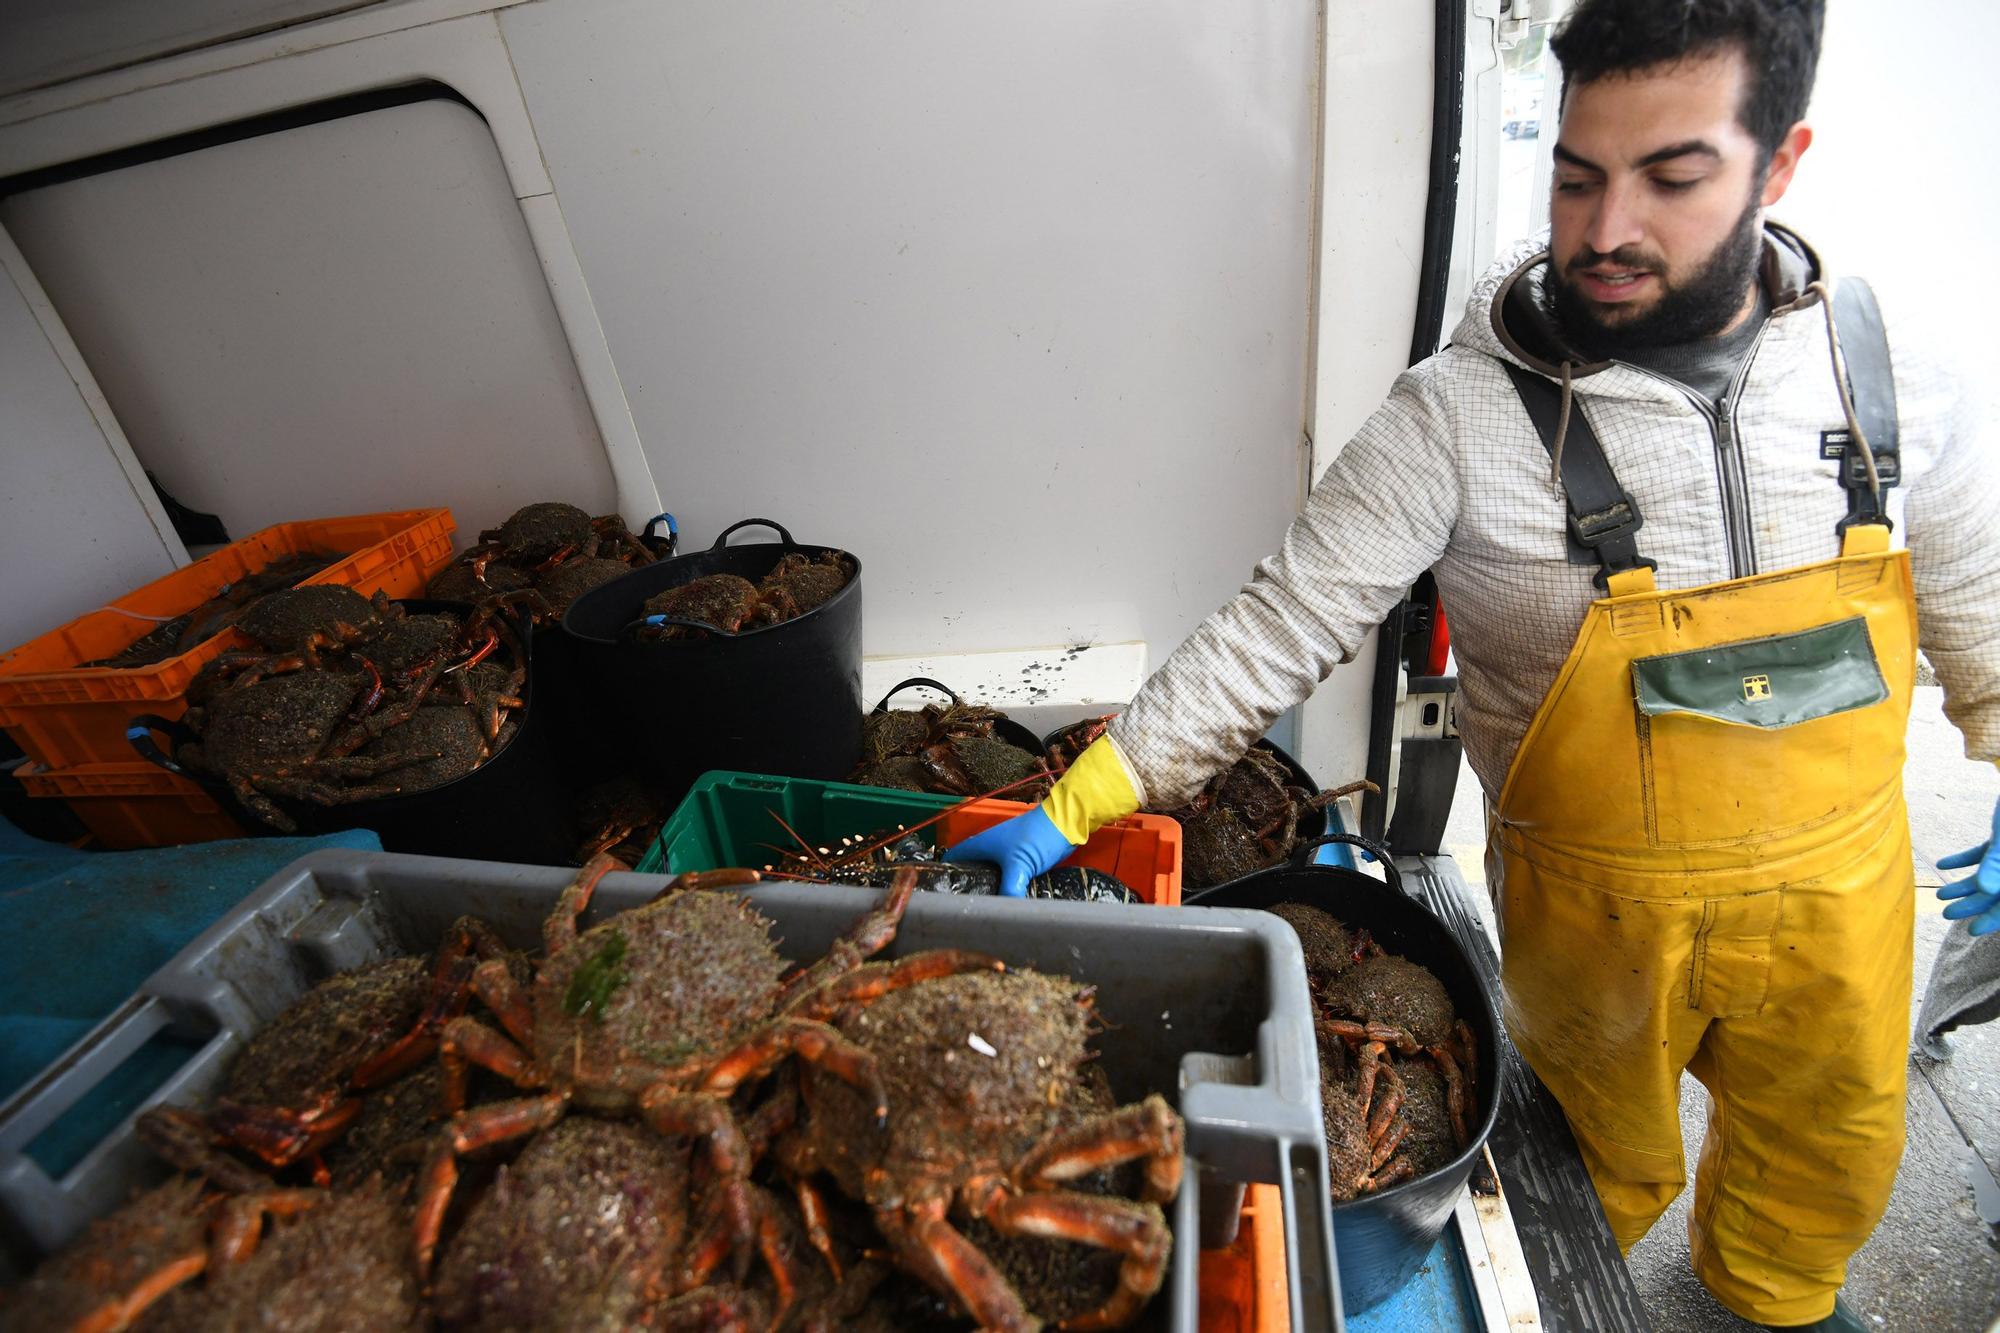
1619,519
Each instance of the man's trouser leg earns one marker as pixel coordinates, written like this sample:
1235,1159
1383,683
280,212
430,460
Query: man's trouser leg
1790,1004
1805,1127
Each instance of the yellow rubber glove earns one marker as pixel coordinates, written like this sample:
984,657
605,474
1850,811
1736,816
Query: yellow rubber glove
1096,790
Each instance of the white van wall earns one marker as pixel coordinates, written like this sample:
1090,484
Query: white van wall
1011,300
1014,302
334,318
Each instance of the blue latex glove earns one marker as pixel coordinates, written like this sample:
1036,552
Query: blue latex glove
1978,894
1025,846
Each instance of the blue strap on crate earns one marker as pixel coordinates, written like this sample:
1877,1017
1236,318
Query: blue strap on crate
88,927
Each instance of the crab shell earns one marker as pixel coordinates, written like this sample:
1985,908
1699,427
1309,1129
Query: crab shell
328,1032
572,1234
114,1254
284,621
953,1108
534,532
341,1264
1388,989
653,989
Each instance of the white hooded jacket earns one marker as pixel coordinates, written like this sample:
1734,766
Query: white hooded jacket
1450,475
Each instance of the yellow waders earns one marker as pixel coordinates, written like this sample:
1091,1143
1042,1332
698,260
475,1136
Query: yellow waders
1705,864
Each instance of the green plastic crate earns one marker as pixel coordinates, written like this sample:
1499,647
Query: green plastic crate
725,820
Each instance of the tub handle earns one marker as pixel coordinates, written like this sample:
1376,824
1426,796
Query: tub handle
662,547
775,526
651,622
139,733
1303,856
911,683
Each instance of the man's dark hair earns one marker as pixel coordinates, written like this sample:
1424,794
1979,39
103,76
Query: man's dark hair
1779,40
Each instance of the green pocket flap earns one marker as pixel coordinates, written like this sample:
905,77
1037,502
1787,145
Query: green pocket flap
1775,682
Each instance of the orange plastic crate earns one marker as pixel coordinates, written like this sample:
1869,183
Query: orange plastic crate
133,805
1142,852
65,715
1243,1286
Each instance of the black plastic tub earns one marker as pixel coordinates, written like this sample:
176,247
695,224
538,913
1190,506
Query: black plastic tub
1382,1238
514,807
781,699
1006,728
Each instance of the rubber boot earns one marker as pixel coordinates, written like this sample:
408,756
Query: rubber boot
1842,1320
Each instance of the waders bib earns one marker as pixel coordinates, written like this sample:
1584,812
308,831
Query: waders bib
1704,863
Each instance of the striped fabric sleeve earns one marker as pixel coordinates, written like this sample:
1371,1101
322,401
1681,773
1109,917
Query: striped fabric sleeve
1379,516
1953,515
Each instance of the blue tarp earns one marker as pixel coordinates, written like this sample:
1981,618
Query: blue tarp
83,929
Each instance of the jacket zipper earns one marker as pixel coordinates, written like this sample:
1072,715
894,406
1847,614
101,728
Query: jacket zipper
1731,478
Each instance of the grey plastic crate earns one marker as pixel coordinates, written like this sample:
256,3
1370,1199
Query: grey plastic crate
1207,1006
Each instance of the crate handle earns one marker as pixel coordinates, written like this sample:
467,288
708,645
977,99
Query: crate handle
777,527
1303,856
1308,1241
139,731
913,681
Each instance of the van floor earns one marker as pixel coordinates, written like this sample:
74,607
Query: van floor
1934,1262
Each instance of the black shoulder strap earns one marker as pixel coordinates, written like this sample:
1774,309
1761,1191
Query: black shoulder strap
1871,382
1603,518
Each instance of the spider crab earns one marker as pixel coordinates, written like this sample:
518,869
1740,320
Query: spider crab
982,1073
294,1088
125,1263
661,1013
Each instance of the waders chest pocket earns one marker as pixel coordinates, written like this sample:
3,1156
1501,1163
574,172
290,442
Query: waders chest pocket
1753,739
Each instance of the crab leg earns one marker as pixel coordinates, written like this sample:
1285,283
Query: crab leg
240,1225
183,1140
871,981
1134,1230
469,1130
1454,1093
1371,1064
279,1135
671,1111
1147,1129
1400,1169
559,931
1385,1110
1386,1148
467,1042
469,939
932,1247
863,940
1386,1033
813,1042
121,1311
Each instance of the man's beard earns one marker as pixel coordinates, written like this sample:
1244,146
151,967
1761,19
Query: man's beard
1700,306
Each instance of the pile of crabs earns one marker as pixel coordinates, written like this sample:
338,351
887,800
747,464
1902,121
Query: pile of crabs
731,604
229,605
1244,820
652,1122
1398,1066
553,550
348,698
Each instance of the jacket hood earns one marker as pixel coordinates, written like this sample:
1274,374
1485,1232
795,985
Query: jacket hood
1508,314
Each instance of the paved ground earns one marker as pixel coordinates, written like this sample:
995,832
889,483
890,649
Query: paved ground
1934,1264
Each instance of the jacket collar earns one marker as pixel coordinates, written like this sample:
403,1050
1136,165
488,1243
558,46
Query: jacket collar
1516,314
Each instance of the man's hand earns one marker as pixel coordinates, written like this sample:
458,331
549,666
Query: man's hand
1978,894
1025,846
